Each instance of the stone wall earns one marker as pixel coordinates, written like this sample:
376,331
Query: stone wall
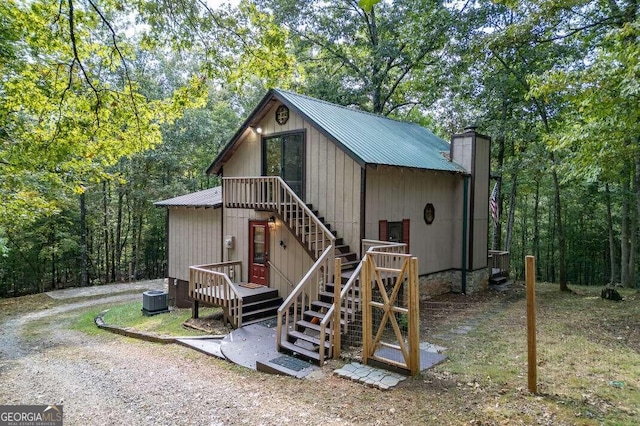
451,281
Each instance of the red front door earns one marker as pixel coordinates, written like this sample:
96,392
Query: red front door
258,252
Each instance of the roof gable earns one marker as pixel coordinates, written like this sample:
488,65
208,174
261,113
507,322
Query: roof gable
366,137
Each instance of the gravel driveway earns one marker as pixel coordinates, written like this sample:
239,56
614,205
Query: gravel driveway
108,379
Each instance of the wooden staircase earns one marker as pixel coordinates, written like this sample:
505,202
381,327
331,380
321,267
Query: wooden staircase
343,251
303,338
311,322
260,306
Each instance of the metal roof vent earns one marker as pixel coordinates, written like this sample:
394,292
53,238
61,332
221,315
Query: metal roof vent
154,302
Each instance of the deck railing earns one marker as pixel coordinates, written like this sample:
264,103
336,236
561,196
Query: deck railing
499,263
383,246
272,193
212,284
299,300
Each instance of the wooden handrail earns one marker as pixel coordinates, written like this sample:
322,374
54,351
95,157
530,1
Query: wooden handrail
300,298
211,284
383,246
282,275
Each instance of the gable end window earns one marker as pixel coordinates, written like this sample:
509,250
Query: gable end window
283,155
396,232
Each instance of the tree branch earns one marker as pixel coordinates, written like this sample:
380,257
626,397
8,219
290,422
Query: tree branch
124,65
76,59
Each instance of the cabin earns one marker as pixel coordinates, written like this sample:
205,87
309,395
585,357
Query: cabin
305,183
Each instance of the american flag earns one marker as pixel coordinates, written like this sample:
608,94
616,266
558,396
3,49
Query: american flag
493,203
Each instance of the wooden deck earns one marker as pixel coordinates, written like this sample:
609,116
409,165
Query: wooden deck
217,292
212,285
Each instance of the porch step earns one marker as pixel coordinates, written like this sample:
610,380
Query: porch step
348,257
314,340
263,295
352,264
303,324
295,349
321,305
327,297
497,280
326,305
260,310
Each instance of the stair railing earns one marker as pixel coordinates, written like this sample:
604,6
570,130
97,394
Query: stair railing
299,300
499,263
273,193
348,300
212,284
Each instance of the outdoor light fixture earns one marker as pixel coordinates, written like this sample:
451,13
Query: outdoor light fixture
272,222
259,130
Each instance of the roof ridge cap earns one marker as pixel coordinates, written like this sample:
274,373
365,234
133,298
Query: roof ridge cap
348,108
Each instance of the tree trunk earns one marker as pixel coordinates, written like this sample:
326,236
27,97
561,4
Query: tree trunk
536,227
624,234
118,244
512,213
84,272
562,264
497,229
633,239
105,212
612,242
53,257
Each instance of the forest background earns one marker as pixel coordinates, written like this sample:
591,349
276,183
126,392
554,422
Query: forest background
109,105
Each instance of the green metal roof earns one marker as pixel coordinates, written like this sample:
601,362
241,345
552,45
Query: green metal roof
367,138
374,139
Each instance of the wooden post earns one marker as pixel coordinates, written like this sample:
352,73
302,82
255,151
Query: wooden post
414,318
365,293
530,276
337,289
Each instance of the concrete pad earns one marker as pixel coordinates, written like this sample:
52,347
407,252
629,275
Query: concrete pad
430,347
256,344
209,346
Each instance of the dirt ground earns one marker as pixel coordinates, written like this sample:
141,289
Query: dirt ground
103,378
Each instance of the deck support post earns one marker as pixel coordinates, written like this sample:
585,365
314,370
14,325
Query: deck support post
194,309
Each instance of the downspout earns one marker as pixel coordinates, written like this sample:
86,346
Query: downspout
465,201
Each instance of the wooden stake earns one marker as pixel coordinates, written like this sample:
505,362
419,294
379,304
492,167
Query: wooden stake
530,276
414,318
337,289
365,294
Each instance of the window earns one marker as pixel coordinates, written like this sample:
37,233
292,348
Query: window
283,155
397,232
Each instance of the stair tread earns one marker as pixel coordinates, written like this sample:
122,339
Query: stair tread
312,326
259,311
347,254
327,305
311,339
321,304
315,314
330,294
299,350
274,300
